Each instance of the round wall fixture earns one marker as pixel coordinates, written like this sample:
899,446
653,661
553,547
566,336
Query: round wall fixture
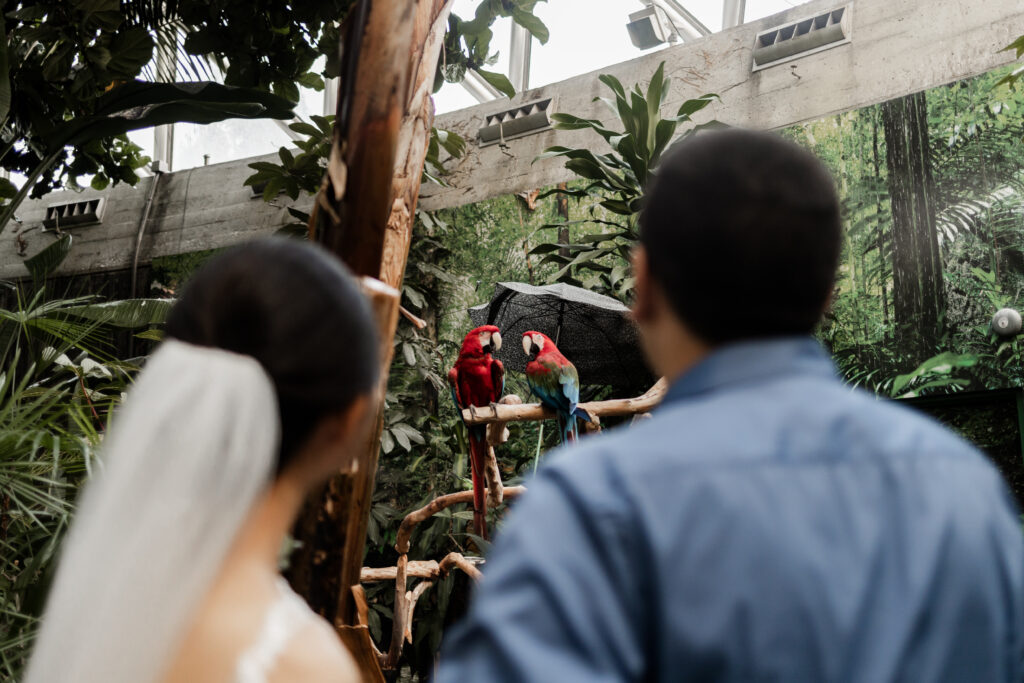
1006,322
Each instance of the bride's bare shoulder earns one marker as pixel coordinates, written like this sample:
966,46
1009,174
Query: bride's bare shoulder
314,654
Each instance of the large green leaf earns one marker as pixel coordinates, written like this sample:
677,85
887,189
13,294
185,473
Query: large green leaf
49,258
942,364
613,83
135,105
103,14
656,92
691,107
129,313
499,81
531,23
570,122
130,51
1017,45
7,189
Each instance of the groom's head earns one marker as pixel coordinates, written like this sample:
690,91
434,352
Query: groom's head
739,239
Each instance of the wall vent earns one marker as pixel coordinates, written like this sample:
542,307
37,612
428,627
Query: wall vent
85,212
800,38
526,119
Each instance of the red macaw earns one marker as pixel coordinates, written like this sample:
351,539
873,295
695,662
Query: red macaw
478,380
554,380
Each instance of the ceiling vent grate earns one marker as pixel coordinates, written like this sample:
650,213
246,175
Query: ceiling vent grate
526,119
800,38
85,212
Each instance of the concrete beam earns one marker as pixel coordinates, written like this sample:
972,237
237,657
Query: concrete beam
898,47
202,208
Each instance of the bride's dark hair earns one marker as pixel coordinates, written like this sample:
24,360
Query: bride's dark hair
299,312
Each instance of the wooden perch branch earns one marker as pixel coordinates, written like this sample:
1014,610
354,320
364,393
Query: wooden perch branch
619,407
440,503
417,322
417,569
495,493
458,561
412,597
405,601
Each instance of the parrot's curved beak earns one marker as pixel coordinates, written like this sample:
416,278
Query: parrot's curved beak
496,341
527,343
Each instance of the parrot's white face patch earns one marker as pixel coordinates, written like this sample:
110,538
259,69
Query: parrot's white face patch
492,339
532,342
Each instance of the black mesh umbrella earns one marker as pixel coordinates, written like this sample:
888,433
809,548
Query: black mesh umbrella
594,331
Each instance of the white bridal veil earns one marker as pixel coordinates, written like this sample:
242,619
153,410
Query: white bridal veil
190,451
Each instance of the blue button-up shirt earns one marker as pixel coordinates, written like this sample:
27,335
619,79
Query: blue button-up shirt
766,524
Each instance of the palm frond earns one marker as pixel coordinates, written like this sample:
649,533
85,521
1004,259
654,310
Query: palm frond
172,63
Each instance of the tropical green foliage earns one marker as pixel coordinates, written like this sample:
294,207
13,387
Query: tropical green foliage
616,180
975,161
76,75
467,44
1018,47
58,384
303,172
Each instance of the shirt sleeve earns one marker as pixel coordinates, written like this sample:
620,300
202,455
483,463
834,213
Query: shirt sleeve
561,596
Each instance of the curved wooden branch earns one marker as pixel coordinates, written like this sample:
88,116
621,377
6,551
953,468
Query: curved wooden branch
492,475
619,407
416,569
405,601
417,322
401,613
412,598
456,560
440,503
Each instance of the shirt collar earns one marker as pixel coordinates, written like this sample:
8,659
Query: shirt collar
749,361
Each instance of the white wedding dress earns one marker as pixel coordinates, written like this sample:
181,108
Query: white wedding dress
287,615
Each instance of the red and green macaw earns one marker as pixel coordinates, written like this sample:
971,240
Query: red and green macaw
554,380
478,380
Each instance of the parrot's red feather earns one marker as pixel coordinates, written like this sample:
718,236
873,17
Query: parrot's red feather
477,379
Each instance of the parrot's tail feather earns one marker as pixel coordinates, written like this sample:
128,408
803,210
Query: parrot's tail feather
567,428
582,414
477,458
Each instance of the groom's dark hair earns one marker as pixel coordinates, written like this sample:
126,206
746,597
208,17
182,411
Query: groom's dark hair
299,312
742,232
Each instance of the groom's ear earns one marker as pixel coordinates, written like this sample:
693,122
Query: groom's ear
643,296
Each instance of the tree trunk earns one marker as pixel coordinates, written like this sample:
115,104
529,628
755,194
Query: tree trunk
883,272
918,301
364,214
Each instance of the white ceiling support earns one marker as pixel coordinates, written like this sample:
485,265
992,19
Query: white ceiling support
283,125
688,25
331,86
481,90
519,48
733,12
166,72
